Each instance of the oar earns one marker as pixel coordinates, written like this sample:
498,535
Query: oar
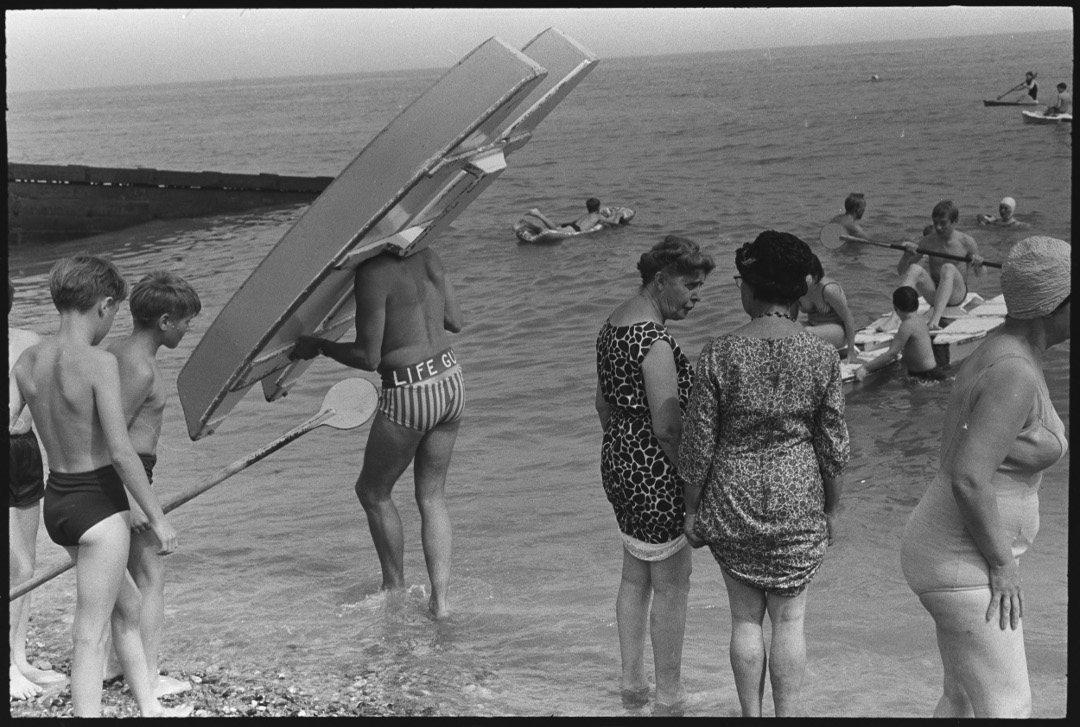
1014,88
832,235
347,405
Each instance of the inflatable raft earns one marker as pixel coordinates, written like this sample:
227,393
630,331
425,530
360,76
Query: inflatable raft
530,229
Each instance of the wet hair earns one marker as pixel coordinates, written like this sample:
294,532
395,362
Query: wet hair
80,282
674,255
592,204
161,292
905,299
816,271
775,265
10,294
927,230
853,202
946,208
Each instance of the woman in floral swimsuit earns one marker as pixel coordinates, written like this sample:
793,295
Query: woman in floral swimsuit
763,451
643,384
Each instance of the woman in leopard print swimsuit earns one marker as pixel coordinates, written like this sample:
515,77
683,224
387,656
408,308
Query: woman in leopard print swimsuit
643,384
763,451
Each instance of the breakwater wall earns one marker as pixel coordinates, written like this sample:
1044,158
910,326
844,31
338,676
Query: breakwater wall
55,203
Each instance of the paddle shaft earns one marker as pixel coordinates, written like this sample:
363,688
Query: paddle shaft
934,253
243,463
1017,87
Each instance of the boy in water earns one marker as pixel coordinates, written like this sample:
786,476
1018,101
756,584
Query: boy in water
854,208
162,306
26,487
945,283
72,388
912,340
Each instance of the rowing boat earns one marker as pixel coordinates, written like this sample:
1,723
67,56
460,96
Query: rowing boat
966,325
1032,117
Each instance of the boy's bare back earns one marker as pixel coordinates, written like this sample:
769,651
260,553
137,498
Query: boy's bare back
143,393
918,350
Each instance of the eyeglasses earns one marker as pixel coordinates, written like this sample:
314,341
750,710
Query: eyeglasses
738,281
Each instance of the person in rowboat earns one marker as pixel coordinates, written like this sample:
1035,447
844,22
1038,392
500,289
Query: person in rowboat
1032,86
1005,217
162,306
585,222
912,340
854,208
961,547
404,308
942,283
1064,102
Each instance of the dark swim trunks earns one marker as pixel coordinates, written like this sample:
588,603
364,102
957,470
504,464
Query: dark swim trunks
574,225
148,462
27,474
935,374
77,501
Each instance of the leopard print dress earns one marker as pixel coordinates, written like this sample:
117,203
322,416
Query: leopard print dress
639,479
765,424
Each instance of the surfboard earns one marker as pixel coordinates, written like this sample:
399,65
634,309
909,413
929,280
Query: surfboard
1007,103
1032,117
397,195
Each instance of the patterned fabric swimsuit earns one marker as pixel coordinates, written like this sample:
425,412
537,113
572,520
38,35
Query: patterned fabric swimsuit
639,479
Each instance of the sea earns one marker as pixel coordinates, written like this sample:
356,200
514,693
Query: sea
276,570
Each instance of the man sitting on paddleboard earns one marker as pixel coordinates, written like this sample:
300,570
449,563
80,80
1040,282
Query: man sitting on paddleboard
1005,215
1064,102
854,207
586,222
945,283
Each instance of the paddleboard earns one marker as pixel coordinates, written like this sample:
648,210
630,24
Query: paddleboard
531,230
1033,117
397,195
1008,103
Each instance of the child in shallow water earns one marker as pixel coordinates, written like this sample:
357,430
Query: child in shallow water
912,340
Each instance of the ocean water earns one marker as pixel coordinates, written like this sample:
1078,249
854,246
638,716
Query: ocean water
276,570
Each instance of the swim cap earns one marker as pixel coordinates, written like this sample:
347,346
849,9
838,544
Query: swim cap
1008,202
1036,277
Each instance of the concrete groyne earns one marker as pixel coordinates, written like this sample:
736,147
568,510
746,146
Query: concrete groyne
54,203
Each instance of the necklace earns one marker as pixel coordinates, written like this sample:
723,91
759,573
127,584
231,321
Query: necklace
775,313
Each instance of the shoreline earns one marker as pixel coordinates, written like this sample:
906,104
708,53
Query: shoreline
217,690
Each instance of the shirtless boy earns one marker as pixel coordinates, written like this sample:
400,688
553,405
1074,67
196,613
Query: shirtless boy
854,208
404,307
26,487
587,221
945,283
162,306
72,388
912,340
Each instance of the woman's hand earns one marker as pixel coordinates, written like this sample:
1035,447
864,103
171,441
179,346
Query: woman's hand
831,525
1005,595
688,530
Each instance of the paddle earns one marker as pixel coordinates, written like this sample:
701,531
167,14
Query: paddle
1014,88
832,235
347,405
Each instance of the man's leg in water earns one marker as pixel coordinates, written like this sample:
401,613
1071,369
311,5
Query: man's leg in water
390,449
432,463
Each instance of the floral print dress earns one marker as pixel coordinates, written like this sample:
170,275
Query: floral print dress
639,479
765,424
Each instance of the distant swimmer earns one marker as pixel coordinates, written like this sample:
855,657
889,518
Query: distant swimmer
587,221
854,207
1005,215
944,283
1032,86
1064,102
875,77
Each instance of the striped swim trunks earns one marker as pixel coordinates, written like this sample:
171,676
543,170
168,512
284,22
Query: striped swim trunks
425,405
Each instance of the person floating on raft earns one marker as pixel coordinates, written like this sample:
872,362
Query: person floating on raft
586,222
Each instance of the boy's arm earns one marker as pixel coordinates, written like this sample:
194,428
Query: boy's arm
137,383
15,400
976,260
895,347
107,398
910,256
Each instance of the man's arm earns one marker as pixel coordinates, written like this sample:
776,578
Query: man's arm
976,260
453,320
366,351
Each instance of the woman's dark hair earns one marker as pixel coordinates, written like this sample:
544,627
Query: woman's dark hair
816,271
775,265
676,255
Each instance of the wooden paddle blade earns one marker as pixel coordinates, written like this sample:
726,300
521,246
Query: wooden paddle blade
830,236
353,402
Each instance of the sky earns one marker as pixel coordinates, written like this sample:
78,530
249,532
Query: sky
82,48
